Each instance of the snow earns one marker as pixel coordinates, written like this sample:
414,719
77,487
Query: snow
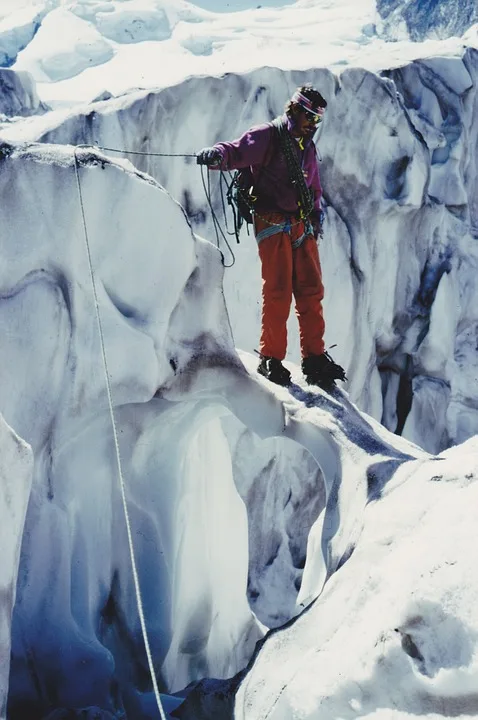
248,502
77,46
18,29
157,43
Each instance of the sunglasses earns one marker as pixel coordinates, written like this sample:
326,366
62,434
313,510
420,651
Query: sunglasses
316,119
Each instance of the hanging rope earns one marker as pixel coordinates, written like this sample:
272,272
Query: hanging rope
237,219
139,152
207,190
139,601
304,193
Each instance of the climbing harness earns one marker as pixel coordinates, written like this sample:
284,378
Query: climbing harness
137,587
284,227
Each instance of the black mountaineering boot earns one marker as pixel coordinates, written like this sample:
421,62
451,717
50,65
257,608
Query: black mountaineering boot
322,370
273,370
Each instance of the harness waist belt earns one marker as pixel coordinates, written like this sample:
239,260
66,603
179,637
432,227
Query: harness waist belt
284,227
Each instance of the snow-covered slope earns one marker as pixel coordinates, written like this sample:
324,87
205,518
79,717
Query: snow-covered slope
79,49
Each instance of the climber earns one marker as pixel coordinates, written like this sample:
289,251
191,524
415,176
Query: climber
286,213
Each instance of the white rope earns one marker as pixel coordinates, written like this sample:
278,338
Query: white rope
139,601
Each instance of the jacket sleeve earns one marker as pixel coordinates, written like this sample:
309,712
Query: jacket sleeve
250,149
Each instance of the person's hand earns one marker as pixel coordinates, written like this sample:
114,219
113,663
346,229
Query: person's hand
209,156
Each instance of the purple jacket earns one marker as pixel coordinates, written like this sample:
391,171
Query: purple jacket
259,149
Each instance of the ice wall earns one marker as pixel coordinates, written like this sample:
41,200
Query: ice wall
399,255
174,375
16,463
395,632
18,95
75,608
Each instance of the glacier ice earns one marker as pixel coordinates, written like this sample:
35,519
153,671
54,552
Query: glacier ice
18,94
247,502
16,470
421,19
173,381
394,633
393,226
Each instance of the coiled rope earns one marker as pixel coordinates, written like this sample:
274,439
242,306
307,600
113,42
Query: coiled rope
217,227
137,587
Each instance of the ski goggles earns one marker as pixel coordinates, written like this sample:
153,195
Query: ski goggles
316,119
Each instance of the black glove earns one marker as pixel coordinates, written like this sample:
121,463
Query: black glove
209,156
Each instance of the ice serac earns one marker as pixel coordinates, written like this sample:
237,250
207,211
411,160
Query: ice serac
75,628
18,95
78,46
16,466
421,19
18,28
394,633
398,164
403,606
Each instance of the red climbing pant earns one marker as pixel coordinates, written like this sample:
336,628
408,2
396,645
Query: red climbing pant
290,266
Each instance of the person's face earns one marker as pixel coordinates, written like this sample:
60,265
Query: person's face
306,123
